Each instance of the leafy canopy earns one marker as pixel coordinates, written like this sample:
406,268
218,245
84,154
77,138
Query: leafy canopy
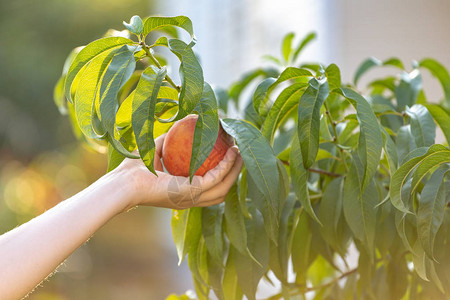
326,166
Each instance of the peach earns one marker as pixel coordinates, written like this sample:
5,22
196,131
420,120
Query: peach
177,148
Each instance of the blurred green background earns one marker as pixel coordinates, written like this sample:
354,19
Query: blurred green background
41,163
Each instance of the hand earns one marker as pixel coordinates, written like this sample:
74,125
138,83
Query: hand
176,192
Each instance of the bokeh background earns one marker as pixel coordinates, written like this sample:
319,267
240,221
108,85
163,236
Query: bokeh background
41,163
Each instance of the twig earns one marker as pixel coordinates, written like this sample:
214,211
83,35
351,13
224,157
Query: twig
150,55
303,290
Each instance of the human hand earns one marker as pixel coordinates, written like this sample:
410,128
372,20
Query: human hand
176,192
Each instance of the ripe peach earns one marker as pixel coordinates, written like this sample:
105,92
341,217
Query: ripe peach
177,148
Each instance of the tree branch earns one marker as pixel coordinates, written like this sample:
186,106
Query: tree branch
304,290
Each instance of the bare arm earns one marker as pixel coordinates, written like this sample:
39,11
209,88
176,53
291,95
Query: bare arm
30,252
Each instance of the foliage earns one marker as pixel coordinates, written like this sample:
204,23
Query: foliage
326,166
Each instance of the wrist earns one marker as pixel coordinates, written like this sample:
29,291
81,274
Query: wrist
120,187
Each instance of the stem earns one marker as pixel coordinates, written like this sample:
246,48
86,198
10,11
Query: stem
301,290
336,141
150,55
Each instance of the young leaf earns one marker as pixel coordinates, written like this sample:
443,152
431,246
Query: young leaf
286,47
186,230
430,213
407,91
156,23
191,75
309,119
118,72
206,129
422,125
143,111
237,87
258,157
441,73
299,176
135,26
260,96
370,139
333,75
311,36
87,54
364,67
290,73
249,273
442,118
283,105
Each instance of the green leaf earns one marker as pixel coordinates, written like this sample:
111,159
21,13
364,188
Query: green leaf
301,247
135,26
260,96
299,176
234,221
360,207
370,138
442,118
87,92
422,125
279,255
333,75
243,189
309,119
206,129
394,62
405,142
212,217
186,230
330,212
400,176
191,75
364,67
157,23
407,91
231,288
143,111
118,72
258,157
441,73
58,92
308,38
286,48
430,213
291,73
87,54
248,271
237,87
282,107
114,158
262,203
390,151
198,264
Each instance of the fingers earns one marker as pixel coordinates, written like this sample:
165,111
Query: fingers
158,152
216,175
220,190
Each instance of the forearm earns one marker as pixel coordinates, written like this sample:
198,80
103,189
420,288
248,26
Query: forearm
29,253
